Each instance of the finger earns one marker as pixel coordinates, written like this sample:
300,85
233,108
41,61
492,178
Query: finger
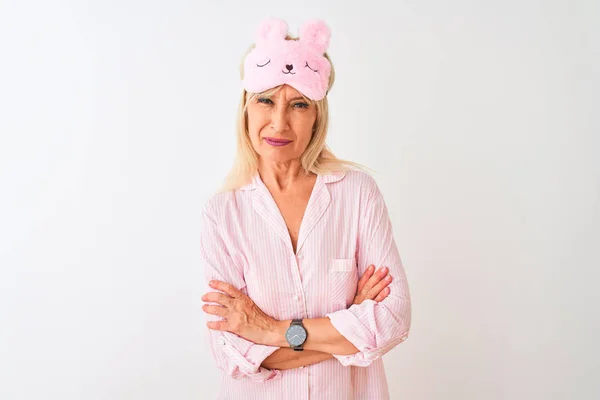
215,310
217,325
373,280
225,287
217,297
363,279
381,285
382,295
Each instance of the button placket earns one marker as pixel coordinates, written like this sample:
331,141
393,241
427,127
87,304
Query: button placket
298,295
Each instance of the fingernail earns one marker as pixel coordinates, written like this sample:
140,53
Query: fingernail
371,267
388,278
383,269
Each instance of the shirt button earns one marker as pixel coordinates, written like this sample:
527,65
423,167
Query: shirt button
296,297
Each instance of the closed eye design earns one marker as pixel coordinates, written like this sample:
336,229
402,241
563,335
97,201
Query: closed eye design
263,64
314,70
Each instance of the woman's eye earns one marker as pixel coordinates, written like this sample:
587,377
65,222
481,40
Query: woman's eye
301,105
264,100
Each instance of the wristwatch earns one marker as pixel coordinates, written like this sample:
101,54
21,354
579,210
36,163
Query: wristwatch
296,335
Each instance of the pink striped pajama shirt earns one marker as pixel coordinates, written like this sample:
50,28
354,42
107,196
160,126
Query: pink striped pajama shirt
346,227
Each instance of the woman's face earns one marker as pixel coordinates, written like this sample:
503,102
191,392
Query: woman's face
286,118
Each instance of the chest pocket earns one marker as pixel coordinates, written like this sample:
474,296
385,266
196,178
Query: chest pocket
343,280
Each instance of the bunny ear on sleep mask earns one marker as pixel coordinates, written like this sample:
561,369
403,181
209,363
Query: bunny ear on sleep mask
299,63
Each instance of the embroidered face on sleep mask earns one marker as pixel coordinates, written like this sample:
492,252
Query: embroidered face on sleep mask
299,63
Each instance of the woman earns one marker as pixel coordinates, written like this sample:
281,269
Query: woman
283,245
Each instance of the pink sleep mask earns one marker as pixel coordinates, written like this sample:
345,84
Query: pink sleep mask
298,63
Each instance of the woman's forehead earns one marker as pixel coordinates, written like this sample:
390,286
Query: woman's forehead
285,91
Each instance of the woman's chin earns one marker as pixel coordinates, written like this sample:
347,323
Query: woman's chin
278,155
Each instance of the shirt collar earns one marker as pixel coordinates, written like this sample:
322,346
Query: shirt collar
327,178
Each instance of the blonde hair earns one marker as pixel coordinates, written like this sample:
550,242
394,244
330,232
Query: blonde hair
317,158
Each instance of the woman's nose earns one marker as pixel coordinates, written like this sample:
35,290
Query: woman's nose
279,120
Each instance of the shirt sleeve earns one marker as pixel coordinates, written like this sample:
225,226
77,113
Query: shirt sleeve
233,354
375,328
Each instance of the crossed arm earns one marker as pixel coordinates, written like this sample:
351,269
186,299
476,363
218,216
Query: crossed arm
324,340
286,358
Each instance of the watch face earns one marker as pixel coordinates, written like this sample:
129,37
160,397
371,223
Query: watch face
295,335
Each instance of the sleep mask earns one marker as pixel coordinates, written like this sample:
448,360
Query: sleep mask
299,63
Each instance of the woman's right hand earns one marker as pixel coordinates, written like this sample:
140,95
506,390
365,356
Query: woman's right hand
373,285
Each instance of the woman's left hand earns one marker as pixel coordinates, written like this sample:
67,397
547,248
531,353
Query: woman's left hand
242,316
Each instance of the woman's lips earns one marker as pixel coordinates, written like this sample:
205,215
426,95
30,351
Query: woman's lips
277,142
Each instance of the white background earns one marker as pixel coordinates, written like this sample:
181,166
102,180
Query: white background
117,123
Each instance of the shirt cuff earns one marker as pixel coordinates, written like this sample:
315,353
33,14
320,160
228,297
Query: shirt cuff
249,364
349,326
352,329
